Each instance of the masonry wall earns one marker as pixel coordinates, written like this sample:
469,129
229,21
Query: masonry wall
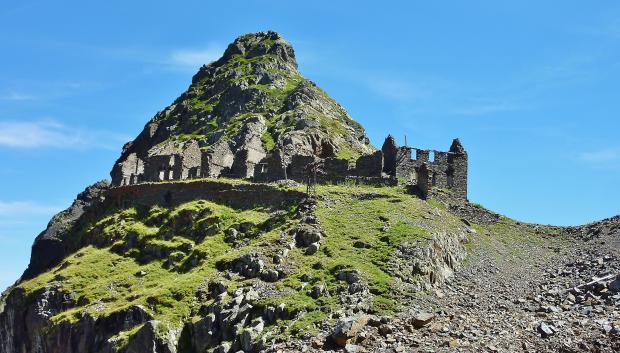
240,196
296,170
191,161
370,165
444,170
128,171
270,168
162,167
335,169
458,182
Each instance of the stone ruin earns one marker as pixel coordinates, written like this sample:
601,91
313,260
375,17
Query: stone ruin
424,169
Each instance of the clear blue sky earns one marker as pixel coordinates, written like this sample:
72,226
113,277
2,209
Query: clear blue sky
530,87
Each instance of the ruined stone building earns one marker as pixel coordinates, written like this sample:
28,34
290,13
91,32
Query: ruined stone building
424,169
429,168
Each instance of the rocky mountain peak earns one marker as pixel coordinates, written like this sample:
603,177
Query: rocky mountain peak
261,43
248,104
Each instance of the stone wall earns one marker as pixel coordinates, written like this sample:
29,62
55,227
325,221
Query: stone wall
442,170
270,168
129,171
242,196
296,170
370,165
191,161
457,159
162,167
335,169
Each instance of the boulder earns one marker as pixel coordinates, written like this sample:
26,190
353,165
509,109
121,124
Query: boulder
317,291
350,276
420,320
150,339
346,329
545,330
306,235
312,248
269,275
614,286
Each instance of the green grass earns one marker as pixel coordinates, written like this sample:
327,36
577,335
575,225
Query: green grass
108,279
268,141
107,282
437,204
346,153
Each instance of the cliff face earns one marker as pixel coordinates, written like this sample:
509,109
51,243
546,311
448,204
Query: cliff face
59,238
250,102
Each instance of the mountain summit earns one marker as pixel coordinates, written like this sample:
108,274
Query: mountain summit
250,102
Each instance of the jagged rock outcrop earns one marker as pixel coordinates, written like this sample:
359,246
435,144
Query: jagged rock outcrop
251,102
57,239
25,324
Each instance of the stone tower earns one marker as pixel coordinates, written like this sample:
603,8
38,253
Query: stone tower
457,170
390,152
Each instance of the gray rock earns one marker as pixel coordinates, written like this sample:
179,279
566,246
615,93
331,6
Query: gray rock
357,287
269,313
545,330
352,348
306,235
282,311
614,286
53,244
385,330
249,265
312,248
350,276
248,335
348,328
269,275
224,347
149,339
317,291
250,296
420,320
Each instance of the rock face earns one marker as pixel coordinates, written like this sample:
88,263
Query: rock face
54,242
25,326
249,104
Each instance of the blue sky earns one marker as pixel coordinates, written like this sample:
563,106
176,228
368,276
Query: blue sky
530,87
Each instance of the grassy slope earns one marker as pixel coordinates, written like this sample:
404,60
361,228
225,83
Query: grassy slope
106,280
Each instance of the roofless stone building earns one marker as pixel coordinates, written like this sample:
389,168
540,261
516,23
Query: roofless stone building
393,164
